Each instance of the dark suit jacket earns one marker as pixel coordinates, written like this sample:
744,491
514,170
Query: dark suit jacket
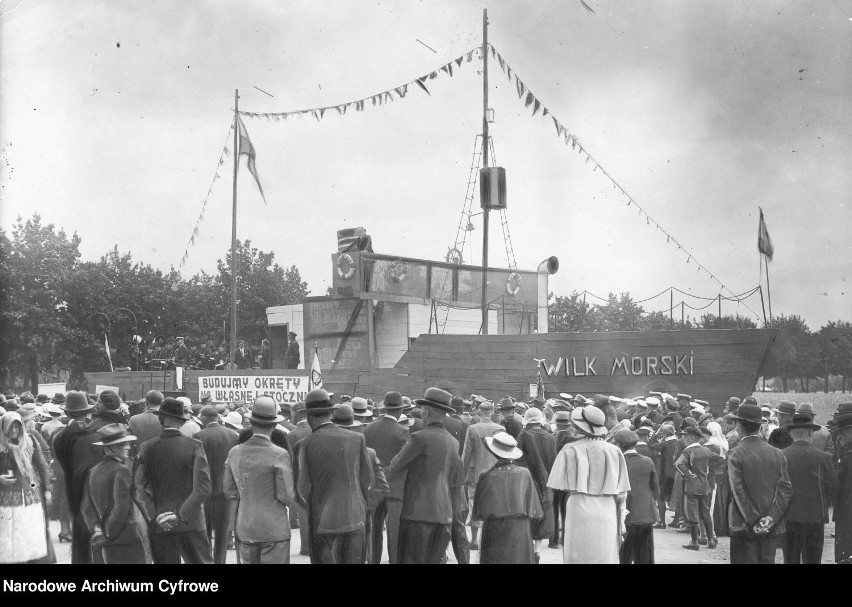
387,437
694,465
539,449
814,482
457,429
435,480
218,441
108,504
380,486
244,360
172,476
73,449
335,476
667,450
760,485
644,490
644,449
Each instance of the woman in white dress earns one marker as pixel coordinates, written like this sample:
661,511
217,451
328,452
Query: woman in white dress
594,474
24,496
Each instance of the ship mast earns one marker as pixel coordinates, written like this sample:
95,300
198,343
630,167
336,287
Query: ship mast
486,208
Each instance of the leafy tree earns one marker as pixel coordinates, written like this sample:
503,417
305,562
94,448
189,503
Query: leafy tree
834,341
729,321
794,352
571,313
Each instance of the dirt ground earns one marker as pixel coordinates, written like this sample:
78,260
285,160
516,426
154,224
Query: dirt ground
667,549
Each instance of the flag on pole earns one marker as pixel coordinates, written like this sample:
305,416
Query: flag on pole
315,380
764,242
247,149
109,356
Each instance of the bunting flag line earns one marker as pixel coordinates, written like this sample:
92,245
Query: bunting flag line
376,99
530,99
195,231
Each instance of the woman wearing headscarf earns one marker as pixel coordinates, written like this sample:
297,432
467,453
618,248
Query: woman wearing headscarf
722,492
25,492
594,474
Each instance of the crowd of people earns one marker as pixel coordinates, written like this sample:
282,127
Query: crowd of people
165,480
160,354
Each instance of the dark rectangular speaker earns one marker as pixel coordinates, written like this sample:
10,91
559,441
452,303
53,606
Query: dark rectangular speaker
492,188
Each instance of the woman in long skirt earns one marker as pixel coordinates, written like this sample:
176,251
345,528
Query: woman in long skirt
24,495
723,491
594,474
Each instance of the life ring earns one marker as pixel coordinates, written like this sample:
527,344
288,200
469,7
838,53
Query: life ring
398,270
347,274
513,284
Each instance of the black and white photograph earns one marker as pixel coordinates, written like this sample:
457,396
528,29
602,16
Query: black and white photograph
382,282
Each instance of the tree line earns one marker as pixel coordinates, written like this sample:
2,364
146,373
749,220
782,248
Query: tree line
800,358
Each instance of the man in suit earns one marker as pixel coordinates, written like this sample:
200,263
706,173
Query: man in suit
814,484
217,441
258,475
180,356
477,458
507,409
761,491
821,439
300,431
843,499
387,437
453,423
433,497
638,546
292,357
119,533
146,425
172,482
334,480
74,450
694,464
243,357
642,448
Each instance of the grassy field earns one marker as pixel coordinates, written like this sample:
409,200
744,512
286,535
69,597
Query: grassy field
824,404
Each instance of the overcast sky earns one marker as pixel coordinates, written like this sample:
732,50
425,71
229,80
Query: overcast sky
113,117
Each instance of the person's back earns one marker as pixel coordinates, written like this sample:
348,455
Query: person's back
812,475
457,429
476,459
756,470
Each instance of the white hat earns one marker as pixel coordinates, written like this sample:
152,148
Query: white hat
590,420
504,446
533,415
652,401
696,407
234,419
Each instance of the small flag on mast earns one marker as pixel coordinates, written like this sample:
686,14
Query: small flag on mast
247,149
109,356
315,380
764,242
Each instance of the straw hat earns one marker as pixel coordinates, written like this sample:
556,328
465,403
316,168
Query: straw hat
504,446
590,420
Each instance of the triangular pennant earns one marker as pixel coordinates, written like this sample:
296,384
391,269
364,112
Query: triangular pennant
450,68
573,143
493,52
221,161
536,107
545,112
459,61
388,96
227,151
446,68
521,88
433,75
470,56
322,112
402,90
557,125
501,62
529,100
315,115
423,86
509,72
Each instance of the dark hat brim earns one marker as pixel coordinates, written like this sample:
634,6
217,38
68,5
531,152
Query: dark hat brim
425,402
319,410
265,420
185,417
73,412
810,425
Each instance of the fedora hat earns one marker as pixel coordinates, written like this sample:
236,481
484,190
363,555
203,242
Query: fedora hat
174,408
600,400
806,409
393,400
437,399
361,407
844,421
749,412
264,411
786,407
506,403
504,446
844,407
749,400
318,402
458,404
344,416
76,404
644,430
803,420
404,420
626,438
114,434
562,417
590,420
693,431
58,399
52,409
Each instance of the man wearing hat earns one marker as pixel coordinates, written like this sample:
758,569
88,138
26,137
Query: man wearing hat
843,499
507,502
388,438
761,491
107,411
507,409
539,450
344,416
334,480
119,533
814,482
191,427
454,425
292,357
258,476
172,481
361,410
218,441
476,458
644,432
821,437
433,498
694,464
638,546
300,431
595,473
563,434
73,449
146,425
180,356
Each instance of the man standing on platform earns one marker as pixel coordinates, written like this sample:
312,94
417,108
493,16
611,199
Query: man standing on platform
258,475
243,357
387,438
335,476
477,458
433,496
292,357
761,491
172,482
814,485
181,354
217,441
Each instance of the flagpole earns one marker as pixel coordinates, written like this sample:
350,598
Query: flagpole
233,347
486,208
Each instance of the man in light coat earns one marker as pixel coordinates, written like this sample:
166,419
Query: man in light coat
477,458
